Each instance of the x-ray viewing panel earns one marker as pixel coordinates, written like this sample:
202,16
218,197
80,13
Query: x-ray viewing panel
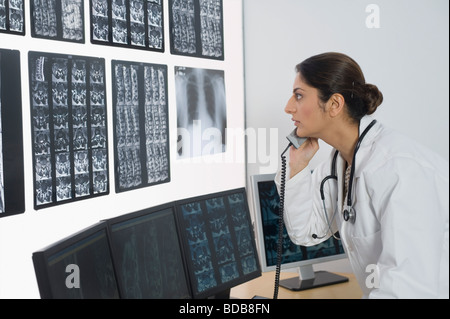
196,28
12,16
69,128
12,196
141,127
219,242
137,24
61,20
201,111
147,255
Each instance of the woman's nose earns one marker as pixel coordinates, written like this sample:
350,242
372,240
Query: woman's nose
289,108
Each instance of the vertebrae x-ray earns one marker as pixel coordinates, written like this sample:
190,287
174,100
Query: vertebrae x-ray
58,20
133,23
2,182
69,127
12,18
197,28
219,240
141,124
201,111
12,196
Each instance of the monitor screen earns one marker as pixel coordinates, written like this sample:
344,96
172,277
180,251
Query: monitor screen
219,242
77,267
148,256
266,202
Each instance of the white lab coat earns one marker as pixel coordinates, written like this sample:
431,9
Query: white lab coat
398,246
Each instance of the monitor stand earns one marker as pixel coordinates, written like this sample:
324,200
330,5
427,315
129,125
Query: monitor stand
221,295
308,278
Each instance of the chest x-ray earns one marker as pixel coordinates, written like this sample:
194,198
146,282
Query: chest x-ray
201,111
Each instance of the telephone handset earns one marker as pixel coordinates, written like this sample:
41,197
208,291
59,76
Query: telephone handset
295,140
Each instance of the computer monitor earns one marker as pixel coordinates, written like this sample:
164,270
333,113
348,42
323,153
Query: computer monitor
266,202
77,267
219,242
148,255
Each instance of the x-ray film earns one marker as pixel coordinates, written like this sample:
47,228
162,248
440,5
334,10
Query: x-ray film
196,28
135,24
201,111
2,181
141,124
61,20
218,239
12,16
12,199
69,131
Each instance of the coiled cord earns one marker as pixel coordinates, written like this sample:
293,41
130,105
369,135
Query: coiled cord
280,223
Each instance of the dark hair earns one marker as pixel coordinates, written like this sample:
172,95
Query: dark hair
332,73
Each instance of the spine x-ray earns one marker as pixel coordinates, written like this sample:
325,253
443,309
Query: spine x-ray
219,239
68,107
201,111
12,18
2,181
134,23
140,124
58,20
196,28
12,195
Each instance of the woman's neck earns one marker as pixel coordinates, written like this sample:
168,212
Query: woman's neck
344,139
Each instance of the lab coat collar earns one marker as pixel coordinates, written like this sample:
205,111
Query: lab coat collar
363,124
341,164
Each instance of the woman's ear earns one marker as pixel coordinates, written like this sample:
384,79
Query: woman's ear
336,104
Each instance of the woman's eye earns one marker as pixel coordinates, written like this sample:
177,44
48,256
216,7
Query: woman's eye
298,96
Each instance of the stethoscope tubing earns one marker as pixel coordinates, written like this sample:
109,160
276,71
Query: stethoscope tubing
349,213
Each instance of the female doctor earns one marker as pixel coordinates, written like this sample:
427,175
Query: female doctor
385,196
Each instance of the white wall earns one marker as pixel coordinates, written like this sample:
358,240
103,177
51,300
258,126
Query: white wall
407,57
22,234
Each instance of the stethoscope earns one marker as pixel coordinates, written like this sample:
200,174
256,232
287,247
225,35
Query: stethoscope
349,213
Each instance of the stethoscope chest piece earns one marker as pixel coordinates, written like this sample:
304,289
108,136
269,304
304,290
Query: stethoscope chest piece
349,215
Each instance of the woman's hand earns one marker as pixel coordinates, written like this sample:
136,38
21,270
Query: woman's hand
300,158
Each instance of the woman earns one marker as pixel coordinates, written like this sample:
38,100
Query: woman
397,202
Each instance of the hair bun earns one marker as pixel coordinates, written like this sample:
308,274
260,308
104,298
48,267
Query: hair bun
372,97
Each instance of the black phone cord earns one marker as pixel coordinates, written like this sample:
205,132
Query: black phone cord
280,223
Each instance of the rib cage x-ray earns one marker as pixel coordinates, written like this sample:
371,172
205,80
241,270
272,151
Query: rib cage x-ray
12,16
201,111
